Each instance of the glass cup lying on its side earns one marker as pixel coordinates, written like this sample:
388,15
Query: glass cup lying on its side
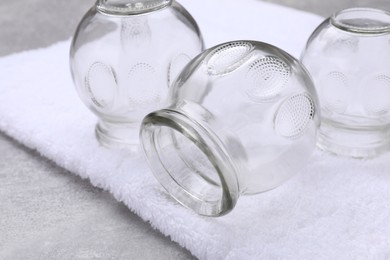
242,119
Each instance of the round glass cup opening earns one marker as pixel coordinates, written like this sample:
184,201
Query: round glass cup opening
131,7
187,167
362,20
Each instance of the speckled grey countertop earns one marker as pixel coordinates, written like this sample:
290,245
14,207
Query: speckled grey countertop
46,212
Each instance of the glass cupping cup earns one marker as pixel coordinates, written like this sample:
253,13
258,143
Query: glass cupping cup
124,56
348,58
242,119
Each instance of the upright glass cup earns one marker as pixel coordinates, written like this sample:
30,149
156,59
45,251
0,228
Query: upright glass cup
348,56
242,120
124,56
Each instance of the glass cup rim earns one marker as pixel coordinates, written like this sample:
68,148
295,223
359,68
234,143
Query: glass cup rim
211,148
367,29
104,7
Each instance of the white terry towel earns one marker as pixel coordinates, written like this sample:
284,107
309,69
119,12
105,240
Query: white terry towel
336,209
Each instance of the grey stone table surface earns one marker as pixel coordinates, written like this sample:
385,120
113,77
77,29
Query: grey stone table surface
48,213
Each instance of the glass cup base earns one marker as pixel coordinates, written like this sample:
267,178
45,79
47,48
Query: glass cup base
356,143
118,136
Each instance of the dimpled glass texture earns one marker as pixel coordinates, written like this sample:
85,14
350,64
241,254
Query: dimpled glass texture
124,56
348,57
242,119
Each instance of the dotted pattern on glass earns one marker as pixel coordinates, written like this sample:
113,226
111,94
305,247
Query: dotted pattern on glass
267,77
147,91
376,96
294,116
101,85
228,57
135,32
334,92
